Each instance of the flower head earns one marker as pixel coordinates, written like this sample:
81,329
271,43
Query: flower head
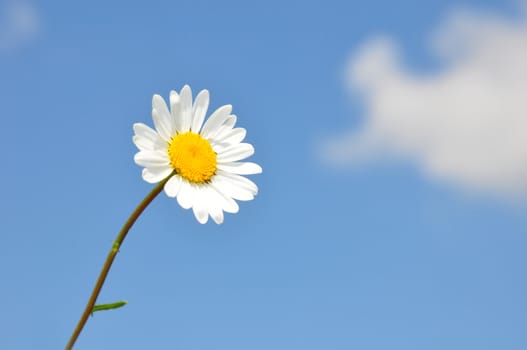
201,157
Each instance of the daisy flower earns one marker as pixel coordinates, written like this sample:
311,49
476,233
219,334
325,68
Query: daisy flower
201,157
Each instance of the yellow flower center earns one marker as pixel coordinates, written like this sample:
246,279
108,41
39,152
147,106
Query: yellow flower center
192,157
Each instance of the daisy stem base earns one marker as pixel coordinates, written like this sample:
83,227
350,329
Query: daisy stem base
109,261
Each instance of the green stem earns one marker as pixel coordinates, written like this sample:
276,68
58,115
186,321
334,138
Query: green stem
109,260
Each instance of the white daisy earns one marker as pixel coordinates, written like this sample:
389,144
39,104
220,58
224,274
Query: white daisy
202,158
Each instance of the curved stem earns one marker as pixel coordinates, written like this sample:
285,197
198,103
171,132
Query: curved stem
109,260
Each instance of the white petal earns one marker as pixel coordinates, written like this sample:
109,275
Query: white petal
141,129
173,185
185,195
214,201
241,168
216,120
175,110
217,215
158,103
232,189
226,202
232,138
230,122
186,108
155,174
145,144
174,98
146,139
162,118
151,159
236,152
224,129
200,205
201,104
240,181
235,192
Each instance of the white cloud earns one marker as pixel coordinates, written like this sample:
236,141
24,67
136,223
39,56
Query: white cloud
466,124
19,24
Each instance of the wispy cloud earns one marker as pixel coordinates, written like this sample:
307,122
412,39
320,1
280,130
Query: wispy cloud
19,24
466,124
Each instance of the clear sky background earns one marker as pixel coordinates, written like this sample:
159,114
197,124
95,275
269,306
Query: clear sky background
392,206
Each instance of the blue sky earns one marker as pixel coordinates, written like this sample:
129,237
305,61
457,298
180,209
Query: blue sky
387,255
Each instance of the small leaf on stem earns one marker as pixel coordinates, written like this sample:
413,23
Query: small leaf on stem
102,307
